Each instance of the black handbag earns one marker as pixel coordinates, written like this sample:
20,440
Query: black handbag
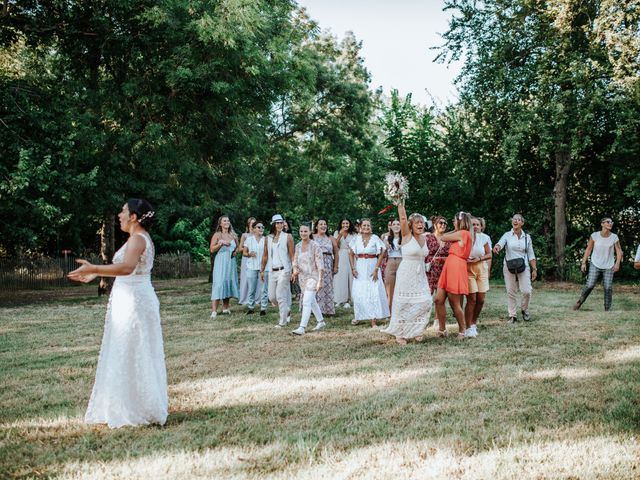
518,265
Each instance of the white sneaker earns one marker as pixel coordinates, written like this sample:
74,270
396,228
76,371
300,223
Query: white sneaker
226,312
319,326
346,305
298,331
470,332
214,314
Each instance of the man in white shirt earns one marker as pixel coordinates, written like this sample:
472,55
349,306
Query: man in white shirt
602,246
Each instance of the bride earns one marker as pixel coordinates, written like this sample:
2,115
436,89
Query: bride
131,378
411,299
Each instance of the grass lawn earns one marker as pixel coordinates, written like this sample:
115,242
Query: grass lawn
558,397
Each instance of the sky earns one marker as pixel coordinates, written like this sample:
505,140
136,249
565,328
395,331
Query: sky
396,38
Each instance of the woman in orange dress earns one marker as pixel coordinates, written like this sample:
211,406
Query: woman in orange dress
454,280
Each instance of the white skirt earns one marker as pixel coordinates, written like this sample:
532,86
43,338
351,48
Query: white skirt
131,377
369,297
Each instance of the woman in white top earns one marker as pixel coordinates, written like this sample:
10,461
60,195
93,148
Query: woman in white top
343,280
517,244
601,247
278,255
308,269
478,272
365,256
252,250
392,241
412,299
131,378
244,281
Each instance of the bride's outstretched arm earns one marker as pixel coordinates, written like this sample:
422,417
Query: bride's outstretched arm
88,271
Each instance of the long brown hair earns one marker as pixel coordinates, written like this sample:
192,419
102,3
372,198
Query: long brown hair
219,225
434,221
250,221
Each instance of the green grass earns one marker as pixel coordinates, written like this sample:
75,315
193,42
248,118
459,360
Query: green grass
558,397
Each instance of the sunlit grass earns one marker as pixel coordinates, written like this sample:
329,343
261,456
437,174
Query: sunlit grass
558,397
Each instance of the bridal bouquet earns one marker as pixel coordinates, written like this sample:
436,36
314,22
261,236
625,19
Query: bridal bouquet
396,190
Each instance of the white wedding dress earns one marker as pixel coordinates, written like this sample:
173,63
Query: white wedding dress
411,298
131,377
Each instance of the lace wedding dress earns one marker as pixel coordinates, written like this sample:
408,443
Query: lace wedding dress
131,378
411,297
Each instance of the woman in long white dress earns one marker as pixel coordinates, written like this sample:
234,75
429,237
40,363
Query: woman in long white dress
131,377
343,280
369,296
411,305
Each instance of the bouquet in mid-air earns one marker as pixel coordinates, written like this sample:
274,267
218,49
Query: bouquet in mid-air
396,190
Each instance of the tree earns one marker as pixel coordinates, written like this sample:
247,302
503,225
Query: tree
538,74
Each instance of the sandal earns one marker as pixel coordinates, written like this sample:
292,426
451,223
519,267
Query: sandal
419,338
442,333
461,336
401,341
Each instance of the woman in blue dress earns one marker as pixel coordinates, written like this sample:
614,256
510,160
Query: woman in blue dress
225,272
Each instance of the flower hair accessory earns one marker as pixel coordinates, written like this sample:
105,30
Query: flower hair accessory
149,214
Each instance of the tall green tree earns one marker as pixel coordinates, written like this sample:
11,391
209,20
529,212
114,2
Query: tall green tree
538,74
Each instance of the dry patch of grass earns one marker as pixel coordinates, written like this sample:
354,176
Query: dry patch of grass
554,398
402,460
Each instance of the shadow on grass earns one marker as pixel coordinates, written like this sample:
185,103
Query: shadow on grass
276,402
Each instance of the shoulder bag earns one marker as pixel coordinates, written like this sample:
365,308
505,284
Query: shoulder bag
518,265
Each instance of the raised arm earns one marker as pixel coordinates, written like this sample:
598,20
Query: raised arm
454,237
404,223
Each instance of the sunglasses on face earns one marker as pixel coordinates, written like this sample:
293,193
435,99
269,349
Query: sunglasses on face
608,221
259,226
442,222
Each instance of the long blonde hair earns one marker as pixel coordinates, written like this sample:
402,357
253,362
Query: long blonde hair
463,222
219,225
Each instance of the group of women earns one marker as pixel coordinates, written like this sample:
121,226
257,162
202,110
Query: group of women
131,383
397,276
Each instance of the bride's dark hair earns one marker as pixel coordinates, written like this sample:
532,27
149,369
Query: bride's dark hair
143,210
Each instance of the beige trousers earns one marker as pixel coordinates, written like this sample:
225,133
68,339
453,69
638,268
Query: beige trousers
514,280
280,293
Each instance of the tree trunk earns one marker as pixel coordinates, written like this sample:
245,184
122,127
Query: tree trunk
107,247
563,165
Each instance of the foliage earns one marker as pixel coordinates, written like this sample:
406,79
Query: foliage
215,107
544,89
